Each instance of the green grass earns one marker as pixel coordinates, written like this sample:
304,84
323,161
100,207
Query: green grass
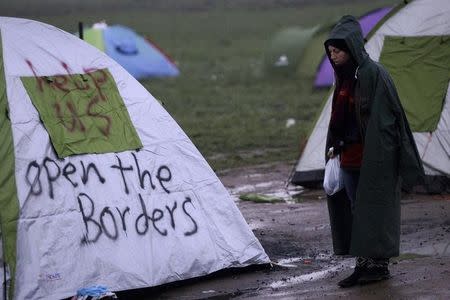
233,113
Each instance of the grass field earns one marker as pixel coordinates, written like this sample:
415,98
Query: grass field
232,111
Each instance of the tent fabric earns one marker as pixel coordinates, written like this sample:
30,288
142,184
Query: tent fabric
95,38
126,220
325,74
285,50
420,67
9,213
417,18
140,57
311,56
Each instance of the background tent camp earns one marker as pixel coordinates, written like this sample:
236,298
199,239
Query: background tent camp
99,185
300,51
137,54
413,43
219,45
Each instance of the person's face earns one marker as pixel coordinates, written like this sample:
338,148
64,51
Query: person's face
338,56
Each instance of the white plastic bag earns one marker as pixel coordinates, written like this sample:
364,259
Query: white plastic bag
332,181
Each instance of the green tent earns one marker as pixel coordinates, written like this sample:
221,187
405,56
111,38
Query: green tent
285,50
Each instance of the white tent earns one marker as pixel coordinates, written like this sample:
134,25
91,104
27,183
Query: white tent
99,185
425,21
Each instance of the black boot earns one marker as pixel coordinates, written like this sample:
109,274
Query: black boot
376,270
353,279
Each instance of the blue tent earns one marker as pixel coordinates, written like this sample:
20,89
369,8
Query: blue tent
138,55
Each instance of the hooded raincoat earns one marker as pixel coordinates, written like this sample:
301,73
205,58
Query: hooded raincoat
390,159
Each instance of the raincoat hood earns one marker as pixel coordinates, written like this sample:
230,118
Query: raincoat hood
349,30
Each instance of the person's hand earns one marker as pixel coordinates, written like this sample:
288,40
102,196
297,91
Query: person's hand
330,152
336,149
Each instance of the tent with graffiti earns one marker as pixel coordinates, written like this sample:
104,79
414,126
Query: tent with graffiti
413,43
141,57
99,185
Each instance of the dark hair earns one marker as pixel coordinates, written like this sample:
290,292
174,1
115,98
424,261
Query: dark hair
337,43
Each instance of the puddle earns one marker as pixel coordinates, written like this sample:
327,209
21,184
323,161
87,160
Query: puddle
291,261
274,189
251,188
295,280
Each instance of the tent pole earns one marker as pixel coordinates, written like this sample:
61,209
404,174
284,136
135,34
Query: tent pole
80,30
291,174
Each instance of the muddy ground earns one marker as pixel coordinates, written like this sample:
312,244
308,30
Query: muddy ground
296,235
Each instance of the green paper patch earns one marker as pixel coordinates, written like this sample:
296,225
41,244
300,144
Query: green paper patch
420,68
260,198
83,113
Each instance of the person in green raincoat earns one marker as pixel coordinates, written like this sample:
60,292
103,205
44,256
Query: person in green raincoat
369,131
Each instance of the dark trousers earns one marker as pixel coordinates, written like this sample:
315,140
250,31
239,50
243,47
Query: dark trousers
351,179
